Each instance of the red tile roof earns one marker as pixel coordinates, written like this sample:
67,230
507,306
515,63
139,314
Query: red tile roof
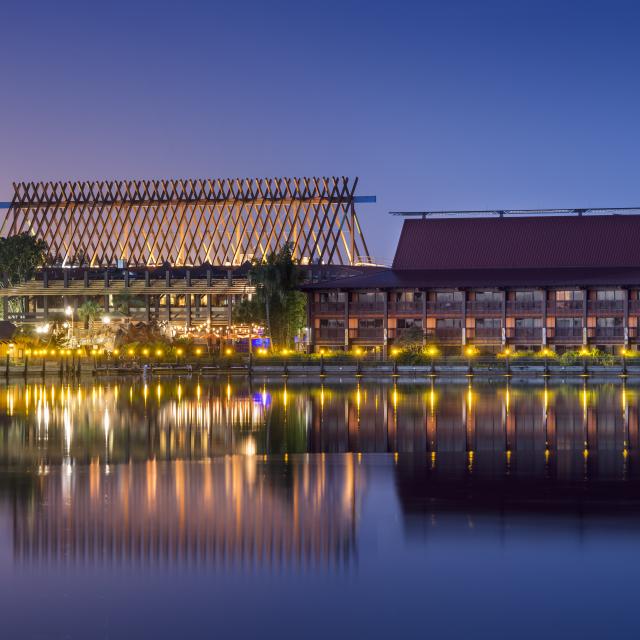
519,242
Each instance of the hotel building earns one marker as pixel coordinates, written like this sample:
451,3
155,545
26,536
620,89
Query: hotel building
561,279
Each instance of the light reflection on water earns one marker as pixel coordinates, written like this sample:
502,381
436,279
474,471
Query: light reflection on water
348,496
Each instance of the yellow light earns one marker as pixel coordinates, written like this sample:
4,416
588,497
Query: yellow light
506,352
52,352
262,351
198,351
130,352
285,352
145,352
623,352
470,351
179,351
228,351
28,352
116,352
358,350
395,352
433,351
158,352
584,352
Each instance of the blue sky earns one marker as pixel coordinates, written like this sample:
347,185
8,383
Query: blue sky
449,104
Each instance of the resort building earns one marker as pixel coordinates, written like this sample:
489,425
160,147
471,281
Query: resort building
173,252
558,279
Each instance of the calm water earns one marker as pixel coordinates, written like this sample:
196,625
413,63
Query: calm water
223,510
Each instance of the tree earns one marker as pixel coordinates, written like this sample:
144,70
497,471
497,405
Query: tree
20,256
89,311
277,304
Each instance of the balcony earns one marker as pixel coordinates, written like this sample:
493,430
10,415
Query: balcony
608,307
366,308
328,308
566,308
373,334
608,334
406,307
330,334
518,307
444,308
485,334
525,334
634,307
572,335
450,335
484,308
394,334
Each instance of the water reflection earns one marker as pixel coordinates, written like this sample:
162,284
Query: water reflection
231,512
381,506
45,425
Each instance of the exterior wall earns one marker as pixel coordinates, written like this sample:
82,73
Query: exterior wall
521,318
183,300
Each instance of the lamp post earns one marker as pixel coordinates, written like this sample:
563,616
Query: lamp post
68,311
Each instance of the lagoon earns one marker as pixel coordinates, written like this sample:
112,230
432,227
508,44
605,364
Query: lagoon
237,508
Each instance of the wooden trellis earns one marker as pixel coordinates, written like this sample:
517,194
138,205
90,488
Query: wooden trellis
190,222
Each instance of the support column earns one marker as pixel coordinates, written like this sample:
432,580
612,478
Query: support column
503,333
585,311
310,327
545,339
464,317
187,306
385,326
626,318
346,320
424,318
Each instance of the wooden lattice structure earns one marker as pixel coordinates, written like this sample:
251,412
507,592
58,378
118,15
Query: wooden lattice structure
190,222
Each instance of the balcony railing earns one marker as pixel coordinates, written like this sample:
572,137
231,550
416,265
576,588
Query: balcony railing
606,306
330,334
363,308
606,333
485,333
413,307
530,334
484,308
566,334
367,333
450,334
515,307
329,308
566,307
445,308
403,331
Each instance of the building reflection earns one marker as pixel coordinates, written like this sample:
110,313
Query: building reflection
572,426
231,511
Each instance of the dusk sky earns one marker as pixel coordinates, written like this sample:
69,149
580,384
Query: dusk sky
449,104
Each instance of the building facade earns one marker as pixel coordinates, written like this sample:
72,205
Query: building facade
557,279
173,252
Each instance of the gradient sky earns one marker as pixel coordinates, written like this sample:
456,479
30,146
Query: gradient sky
447,104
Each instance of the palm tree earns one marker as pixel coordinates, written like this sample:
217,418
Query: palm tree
89,311
275,277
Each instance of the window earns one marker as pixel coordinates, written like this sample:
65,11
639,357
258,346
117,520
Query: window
406,296
529,296
528,323
487,323
449,296
370,323
566,296
488,296
332,296
611,295
609,323
331,323
569,323
369,296
407,323
449,323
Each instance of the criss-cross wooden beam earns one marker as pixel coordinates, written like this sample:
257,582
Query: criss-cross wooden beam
189,222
